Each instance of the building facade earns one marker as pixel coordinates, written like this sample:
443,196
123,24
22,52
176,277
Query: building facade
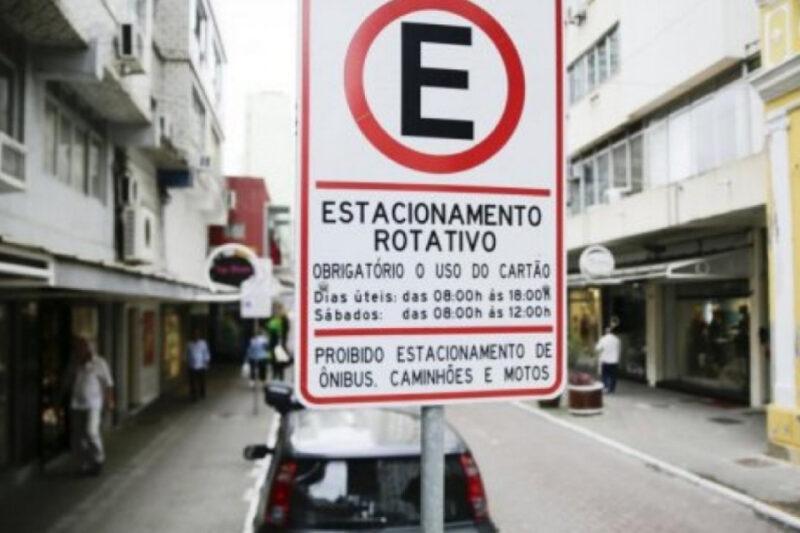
778,83
667,169
247,216
110,158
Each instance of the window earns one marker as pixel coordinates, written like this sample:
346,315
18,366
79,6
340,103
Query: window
595,66
699,136
602,62
235,231
217,74
347,494
588,184
200,119
95,171
574,191
200,28
11,98
50,139
613,52
603,171
79,179
636,162
619,155
73,152
64,161
6,99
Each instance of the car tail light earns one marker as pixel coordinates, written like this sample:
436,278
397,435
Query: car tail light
475,493
280,495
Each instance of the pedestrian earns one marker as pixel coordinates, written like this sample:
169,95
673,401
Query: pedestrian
198,358
609,347
257,356
278,330
91,385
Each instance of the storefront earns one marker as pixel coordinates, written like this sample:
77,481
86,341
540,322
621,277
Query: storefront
626,304
694,322
710,338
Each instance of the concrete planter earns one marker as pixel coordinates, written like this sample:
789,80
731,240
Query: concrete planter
585,399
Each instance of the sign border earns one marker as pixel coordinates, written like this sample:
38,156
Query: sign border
303,329
400,153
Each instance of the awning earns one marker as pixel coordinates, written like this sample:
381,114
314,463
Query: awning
728,265
28,267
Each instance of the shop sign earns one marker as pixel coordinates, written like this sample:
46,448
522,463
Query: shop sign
228,266
596,262
431,202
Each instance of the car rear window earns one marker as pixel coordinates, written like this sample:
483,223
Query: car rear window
369,493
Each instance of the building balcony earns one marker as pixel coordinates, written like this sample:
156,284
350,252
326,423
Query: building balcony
735,188
101,78
49,23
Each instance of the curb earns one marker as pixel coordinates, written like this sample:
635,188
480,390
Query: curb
757,506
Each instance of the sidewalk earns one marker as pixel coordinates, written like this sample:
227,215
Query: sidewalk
718,442
177,466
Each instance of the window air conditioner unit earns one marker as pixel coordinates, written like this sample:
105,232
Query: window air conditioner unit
139,227
129,190
577,15
130,47
617,193
12,164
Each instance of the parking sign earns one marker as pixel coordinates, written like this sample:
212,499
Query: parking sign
430,202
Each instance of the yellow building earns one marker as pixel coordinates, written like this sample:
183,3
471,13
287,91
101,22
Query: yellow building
778,82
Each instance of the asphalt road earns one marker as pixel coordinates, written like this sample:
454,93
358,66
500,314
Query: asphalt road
177,467
542,477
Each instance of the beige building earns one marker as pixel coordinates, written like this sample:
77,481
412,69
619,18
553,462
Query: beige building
667,168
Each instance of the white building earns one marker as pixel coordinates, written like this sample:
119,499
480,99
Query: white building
110,143
667,169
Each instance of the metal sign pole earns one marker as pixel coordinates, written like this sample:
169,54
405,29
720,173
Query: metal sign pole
433,469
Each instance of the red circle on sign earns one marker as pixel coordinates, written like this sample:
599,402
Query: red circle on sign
433,163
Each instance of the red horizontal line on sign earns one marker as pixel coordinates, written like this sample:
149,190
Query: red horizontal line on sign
429,187
478,330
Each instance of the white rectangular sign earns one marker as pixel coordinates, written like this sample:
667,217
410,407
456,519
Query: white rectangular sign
431,202
257,293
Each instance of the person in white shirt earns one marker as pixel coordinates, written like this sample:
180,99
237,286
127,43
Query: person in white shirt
609,347
198,358
91,385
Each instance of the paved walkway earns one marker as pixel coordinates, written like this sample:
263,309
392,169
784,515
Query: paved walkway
175,467
719,442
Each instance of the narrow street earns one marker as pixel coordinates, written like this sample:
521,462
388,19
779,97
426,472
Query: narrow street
541,477
177,467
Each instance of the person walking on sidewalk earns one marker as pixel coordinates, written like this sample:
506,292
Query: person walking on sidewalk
257,355
91,385
609,348
278,332
198,358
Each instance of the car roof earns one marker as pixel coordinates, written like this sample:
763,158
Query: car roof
359,433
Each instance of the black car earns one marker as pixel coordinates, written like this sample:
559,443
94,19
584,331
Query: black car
351,470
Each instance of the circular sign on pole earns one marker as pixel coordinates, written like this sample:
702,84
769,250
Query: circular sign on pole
378,136
596,262
230,265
